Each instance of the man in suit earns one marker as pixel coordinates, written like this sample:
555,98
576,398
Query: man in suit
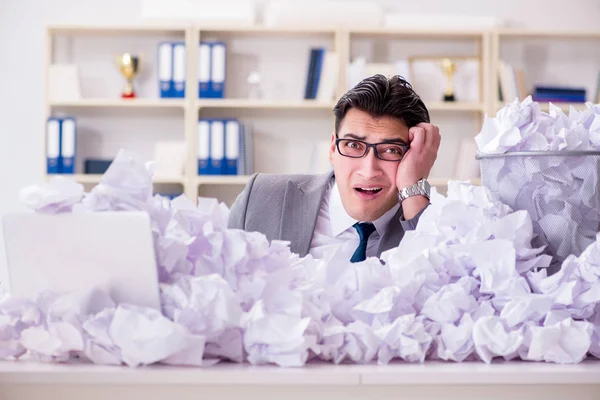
382,149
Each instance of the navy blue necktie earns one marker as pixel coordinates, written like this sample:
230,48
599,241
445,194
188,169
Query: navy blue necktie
364,230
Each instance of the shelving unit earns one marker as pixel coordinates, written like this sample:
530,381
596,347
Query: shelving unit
287,125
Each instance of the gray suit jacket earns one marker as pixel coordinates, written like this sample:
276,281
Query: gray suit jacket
286,207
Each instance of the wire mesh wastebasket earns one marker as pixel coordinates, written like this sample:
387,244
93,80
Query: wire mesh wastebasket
559,189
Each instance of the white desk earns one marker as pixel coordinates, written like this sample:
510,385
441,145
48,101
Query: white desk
514,380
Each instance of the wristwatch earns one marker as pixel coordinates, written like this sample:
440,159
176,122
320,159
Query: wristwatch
421,188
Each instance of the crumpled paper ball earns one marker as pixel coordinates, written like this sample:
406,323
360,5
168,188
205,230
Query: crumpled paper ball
465,285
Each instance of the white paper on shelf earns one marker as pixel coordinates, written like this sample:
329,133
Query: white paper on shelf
63,82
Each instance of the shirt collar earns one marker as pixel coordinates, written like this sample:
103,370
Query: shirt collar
341,221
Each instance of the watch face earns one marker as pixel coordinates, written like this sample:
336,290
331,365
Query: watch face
426,186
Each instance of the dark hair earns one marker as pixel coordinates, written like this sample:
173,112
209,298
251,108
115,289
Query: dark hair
380,96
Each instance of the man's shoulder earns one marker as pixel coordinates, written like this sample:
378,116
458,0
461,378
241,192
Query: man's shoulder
275,181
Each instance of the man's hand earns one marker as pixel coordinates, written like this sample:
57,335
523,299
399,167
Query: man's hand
416,164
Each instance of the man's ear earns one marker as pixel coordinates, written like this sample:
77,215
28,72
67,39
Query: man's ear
332,147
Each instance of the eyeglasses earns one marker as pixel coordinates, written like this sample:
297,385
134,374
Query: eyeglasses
384,151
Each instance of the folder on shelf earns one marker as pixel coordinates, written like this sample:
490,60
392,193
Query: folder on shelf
53,146
165,69
204,70
217,147
247,149
241,164
179,69
68,144
310,74
315,67
217,70
232,146
203,147
318,70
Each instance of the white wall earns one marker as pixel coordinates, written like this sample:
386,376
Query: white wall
21,56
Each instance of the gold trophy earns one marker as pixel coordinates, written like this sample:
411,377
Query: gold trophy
129,66
449,68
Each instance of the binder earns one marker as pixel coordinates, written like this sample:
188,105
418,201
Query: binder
311,76
232,146
204,70
248,149
217,70
320,55
242,164
179,69
53,146
68,142
203,147
217,147
165,69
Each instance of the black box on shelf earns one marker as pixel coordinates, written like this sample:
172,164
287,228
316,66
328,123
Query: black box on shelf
96,166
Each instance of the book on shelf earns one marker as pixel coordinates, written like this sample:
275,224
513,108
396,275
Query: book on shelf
511,82
321,77
559,94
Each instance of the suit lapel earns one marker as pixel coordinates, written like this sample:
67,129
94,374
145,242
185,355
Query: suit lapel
392,235
301,205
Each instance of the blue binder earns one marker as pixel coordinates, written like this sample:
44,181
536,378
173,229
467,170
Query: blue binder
68,144
204,147
232,146
317,72
53,146
217,147
204,61
218,63
165,69
179,69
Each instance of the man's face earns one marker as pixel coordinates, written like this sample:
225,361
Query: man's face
367,185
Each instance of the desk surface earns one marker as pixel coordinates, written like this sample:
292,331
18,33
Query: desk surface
429,373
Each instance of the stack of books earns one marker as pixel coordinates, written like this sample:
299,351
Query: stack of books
559,94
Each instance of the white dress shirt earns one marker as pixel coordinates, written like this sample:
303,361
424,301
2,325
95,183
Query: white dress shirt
334,226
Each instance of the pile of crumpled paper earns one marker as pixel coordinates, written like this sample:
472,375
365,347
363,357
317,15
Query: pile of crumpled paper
465,285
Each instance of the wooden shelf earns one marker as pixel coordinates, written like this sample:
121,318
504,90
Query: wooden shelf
265,104
455,106
545,106
548,34
443,182
94,178
117,29
452,34
268,30
125,103
222,179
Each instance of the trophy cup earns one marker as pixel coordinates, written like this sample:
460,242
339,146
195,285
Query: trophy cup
129,66
449,67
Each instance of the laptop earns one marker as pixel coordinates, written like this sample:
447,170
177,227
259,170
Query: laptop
76,252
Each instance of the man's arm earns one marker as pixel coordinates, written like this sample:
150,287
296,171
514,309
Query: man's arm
237,213
409,224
